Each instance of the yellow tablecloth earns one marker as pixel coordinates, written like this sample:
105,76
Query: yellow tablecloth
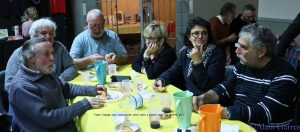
97,120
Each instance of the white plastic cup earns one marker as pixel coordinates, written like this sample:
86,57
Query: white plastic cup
138,84
16,30
85,77
112,69
136,101
126,87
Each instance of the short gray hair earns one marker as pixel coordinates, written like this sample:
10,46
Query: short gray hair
28,49
249,7
259,36
155,30
94,12
38,24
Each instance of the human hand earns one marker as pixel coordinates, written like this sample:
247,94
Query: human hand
196,54
197,101
224,113
151,49
143,70
232,38
110,57
158,86
96,102
95,57
100,89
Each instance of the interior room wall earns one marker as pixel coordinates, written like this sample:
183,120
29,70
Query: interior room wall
277,16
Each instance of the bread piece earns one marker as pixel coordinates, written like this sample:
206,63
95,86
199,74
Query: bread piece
161,89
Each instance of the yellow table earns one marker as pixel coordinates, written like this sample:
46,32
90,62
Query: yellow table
96,120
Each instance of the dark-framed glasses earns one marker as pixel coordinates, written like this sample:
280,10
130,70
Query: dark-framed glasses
154,39
96,25
197,34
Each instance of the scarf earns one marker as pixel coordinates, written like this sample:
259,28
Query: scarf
206,53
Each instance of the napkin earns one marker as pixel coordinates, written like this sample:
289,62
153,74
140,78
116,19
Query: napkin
147,94
134,73
229,128
122,121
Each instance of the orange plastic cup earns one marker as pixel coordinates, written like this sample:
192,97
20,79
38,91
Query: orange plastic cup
210,119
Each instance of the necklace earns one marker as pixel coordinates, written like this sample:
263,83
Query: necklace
36,1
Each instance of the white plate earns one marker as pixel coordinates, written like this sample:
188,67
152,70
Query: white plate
114,96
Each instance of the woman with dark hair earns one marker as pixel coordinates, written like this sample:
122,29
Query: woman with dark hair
201,64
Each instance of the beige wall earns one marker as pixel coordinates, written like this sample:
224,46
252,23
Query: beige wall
130,7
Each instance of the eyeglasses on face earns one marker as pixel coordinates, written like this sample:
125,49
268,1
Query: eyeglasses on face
151,39
96,25
197,34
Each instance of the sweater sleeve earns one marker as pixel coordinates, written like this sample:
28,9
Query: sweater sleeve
12,67
138,62
40,112
288,36
73,90
209,76
278,99
175,71
160,64
69,69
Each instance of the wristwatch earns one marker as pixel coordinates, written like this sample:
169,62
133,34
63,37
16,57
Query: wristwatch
228,114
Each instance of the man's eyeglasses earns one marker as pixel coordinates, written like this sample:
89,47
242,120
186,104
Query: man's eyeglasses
197,34
94,25
151,39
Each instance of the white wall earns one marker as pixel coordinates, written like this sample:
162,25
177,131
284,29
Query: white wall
278,9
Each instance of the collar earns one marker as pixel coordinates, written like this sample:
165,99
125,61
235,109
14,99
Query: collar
220,18
32,75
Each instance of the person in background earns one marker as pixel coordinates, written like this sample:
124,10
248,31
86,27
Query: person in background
246,17
220,29
30,15
287,37
37,95
200,62
157,55
63,63
261,90
97,43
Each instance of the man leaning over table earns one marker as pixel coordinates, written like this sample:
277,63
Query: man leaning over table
261,89
37,95
97,43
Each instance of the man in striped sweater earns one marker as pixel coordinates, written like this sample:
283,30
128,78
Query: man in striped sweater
261,89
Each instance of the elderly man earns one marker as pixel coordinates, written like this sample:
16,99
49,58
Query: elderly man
261,89
246,17
63,63
37,95
97,43
220,28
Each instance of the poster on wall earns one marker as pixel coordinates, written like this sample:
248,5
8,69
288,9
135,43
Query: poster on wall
3,33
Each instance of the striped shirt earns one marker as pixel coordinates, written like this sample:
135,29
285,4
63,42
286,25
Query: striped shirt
260,95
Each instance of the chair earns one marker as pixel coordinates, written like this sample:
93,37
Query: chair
3,94
292,56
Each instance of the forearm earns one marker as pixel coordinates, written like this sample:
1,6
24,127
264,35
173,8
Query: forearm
84,62
122,59
69,73
210,97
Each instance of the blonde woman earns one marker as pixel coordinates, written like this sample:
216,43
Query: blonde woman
156,56
30,15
